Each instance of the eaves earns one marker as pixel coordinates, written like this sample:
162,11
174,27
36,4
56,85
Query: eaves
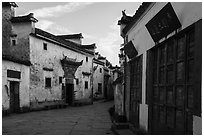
140,13
60,44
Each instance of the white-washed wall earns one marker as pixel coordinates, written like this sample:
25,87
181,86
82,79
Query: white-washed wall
50,58
23,83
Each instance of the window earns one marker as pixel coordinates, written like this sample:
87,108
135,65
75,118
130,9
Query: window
60,80
99,88
77,81
100,70
13,74
45,46
13,42
86,84
48,82
87,59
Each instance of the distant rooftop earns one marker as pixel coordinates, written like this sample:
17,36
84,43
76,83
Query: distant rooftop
91,46
7,4
71,36
26,18
143,7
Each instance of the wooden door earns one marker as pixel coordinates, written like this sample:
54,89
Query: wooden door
69,93
135,89
14,97
173,85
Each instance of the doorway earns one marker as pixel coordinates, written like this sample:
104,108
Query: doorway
14,97
69,93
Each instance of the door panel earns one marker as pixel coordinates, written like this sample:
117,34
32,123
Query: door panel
172,86
69,93
14,97
135,89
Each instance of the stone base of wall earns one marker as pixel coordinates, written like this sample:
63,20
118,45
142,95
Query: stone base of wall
83,102
22,110
35,106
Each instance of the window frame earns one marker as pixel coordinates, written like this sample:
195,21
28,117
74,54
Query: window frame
77,81
60,79
44,46
46,84
86,86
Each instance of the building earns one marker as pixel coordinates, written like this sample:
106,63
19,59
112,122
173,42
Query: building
15,85
98,76
102,84
57,70
162,67
15,71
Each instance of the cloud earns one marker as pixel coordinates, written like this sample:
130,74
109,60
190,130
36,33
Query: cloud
59,9
52,27
109,46
44,24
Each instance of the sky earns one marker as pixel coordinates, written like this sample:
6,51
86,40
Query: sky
97,21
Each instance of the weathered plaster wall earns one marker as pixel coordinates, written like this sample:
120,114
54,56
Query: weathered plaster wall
98,78
187,13
6,29
50,58
21,50
23,87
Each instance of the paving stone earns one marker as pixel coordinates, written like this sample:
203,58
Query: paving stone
83,120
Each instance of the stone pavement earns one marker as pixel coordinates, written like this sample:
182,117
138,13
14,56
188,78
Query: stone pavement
84,120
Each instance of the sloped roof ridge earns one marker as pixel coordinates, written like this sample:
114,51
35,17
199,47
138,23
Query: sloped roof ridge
142,8
65,42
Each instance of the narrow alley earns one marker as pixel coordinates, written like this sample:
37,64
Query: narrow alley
83,120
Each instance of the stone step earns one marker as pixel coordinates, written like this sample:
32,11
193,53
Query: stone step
119,125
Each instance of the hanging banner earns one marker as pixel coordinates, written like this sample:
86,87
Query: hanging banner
163,23
130,50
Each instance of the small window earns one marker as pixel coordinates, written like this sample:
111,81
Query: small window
86,84
60,80
99,88
77,81
13,42
48,82
45,46
87,59
100,70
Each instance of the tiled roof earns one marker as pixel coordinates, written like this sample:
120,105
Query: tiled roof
86,73
100,57
26,18
98,61
71,36
64,43
6,4
91,46
65,61
125,19
137,15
